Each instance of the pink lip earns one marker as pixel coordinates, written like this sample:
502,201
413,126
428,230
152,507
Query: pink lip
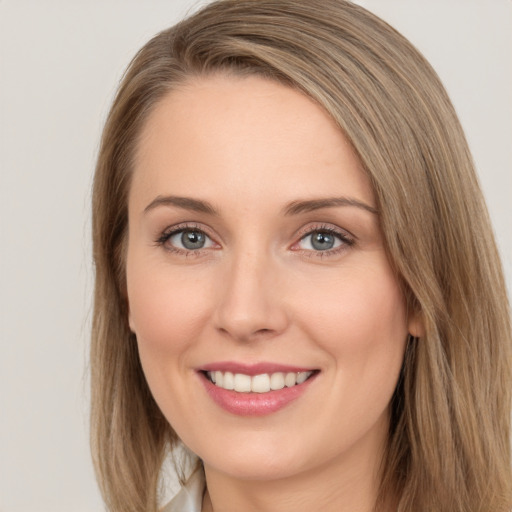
251,369
253,404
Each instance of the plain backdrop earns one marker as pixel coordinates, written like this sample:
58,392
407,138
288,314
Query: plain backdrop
60,62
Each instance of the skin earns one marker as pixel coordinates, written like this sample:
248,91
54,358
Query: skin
259,291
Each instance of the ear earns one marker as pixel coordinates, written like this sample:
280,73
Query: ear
416,324
131,321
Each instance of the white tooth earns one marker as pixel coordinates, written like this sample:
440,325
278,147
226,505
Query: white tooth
277,381
302,377
211,376
260,383
242,383
219,379
290,379
229,381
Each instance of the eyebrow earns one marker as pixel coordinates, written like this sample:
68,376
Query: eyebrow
297,207
186,203
293,208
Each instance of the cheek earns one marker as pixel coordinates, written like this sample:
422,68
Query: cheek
359,319
167,310
167,314
361,324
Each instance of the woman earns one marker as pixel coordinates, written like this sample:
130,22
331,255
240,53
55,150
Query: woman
296,276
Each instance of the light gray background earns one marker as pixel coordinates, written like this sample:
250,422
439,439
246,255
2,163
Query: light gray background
60,62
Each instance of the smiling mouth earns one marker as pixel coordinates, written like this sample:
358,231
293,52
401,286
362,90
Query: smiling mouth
262,383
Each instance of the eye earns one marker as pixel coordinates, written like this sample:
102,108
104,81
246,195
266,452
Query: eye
186,239
323,240
319,241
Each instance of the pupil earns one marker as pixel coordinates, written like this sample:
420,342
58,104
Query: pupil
322,241
192,239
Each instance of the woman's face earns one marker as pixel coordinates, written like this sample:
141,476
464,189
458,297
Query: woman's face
255,259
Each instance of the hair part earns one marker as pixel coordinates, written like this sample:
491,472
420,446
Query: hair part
449,446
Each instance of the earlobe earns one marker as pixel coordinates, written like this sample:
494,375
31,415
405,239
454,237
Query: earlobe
416,325
131,323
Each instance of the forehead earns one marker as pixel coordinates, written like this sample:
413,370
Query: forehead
250,135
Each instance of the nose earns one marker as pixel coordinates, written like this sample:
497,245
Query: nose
251,304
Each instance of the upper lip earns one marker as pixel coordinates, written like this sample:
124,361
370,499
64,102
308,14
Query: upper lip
252,369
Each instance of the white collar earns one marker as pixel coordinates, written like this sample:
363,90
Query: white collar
190,496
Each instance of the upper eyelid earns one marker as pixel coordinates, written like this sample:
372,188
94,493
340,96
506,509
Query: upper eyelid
187,226
332,228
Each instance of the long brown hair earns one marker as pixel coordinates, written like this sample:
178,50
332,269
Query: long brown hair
449,444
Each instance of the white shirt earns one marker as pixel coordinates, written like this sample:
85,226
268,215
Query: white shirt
190,496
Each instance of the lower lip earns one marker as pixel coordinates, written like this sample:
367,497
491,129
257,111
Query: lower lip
254,404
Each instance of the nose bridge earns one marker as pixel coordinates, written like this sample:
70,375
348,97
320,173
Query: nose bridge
251,303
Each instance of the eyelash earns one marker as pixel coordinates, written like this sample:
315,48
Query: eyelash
180,228
345,239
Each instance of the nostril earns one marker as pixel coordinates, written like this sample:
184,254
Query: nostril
248,334
263,331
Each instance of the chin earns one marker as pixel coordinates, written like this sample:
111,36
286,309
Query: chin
257,469
261,460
